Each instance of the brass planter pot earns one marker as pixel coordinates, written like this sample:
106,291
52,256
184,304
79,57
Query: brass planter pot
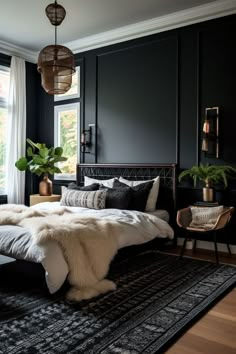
45,186
208,194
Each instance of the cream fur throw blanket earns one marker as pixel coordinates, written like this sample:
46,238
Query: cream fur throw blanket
88,244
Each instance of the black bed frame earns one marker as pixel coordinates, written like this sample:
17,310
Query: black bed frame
167,172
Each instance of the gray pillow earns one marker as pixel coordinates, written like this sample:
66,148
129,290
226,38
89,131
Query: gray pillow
85,199
117,198
139,194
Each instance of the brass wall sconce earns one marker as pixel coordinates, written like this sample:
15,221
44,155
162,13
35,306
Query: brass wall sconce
86,139
210,139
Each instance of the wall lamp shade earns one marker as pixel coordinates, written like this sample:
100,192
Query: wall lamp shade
56,63
210,138
86,139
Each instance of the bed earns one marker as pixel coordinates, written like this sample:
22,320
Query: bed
47,233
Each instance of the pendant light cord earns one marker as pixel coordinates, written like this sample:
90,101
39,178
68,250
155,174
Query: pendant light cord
55,35
56,22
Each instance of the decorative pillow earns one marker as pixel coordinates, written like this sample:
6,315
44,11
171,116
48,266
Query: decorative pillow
153,194
202,216
85,199
106,182
91,187
139,194
118,198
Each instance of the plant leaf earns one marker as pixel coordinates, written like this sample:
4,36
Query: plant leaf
58,151
22,164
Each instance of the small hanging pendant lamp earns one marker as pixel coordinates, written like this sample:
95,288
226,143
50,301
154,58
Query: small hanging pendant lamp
56,63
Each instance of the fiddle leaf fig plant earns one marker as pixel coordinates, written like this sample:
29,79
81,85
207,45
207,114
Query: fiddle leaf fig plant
209,174
40,159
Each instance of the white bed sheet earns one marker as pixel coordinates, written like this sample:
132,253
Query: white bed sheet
160,213
137,228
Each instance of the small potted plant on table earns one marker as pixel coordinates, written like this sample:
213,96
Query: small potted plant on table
209,175
41,160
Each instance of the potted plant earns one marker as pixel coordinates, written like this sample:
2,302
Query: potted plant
41,160
209,175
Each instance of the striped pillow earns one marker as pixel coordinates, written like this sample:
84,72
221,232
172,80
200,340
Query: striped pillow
201,216
91,199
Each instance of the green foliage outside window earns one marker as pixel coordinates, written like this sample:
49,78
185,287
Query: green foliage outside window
68,140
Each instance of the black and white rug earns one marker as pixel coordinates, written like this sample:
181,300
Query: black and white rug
158,296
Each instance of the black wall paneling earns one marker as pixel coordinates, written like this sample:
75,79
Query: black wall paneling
217,80
137,103
32,121
198,103
147,98
3,199
5,60
188,98
90,110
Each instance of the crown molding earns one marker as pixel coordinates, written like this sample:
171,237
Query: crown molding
11,49
183,18
178,19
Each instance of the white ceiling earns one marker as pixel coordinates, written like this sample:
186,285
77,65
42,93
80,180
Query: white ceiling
23,23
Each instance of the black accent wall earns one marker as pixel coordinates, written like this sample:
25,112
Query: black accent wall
137,102
147,98
32,120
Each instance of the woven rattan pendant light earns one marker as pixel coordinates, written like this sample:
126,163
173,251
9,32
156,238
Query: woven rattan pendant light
55,62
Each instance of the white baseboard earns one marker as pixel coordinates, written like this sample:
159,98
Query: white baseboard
206,245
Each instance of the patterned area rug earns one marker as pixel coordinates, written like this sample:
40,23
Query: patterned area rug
158,296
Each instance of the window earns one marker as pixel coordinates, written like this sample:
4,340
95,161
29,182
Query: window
4,89
67,128
66,133
74,91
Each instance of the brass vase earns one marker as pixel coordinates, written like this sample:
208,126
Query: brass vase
45,186
208,194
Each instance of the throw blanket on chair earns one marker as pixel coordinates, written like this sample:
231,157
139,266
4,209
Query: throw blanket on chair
88,244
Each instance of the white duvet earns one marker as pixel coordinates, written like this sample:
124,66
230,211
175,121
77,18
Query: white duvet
136,228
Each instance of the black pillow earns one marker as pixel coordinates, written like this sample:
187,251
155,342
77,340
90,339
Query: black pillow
91,187
117,198
140,194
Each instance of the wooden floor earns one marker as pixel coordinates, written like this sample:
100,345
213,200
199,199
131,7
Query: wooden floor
215,333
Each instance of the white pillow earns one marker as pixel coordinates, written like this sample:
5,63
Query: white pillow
105,182
153,194
202,216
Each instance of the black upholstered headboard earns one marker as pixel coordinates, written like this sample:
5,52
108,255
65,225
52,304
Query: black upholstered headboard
167,172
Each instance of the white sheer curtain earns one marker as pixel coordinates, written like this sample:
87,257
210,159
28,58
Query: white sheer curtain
16,131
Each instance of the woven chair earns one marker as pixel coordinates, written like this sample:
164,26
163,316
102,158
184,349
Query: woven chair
184,219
